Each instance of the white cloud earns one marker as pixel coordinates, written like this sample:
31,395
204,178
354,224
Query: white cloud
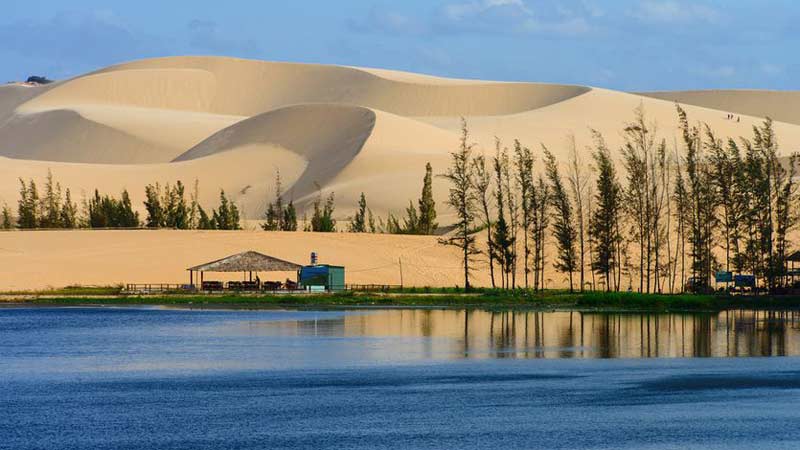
100,37
771,69
386,21
508,9
716,72
671,11
507,16
205,35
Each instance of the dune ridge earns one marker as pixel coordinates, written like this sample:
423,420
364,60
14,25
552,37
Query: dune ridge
778,105
232,123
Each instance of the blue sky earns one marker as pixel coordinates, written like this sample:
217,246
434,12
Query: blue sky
620,44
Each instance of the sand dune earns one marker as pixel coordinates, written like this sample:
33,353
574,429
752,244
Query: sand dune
65,136
231,123
606,111
782,106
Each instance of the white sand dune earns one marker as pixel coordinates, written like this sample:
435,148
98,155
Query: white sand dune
231,123
782,106
63,135
343,128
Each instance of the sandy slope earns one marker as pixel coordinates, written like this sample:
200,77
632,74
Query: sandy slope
231,123
59,258
783,106
346,129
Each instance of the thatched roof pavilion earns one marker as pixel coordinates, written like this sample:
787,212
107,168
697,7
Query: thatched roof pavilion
247,262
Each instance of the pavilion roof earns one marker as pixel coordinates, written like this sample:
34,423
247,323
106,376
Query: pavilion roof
247,262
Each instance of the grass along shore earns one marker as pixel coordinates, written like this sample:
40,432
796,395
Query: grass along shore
408,297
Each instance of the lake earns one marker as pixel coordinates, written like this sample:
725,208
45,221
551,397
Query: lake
158,378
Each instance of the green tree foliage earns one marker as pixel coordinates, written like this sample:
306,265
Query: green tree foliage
51,204
578,185
289,217
155,210
7,221
226,216
277,216
358,223
461,198
176,210
525,182
426,223
273,217
563,220
680,198
391,226
104,211
372,227
482,184
204,221
322,221
28,205
194,206
644,161
540,207
503,240
510,188
702,204
411,221
52,210
69,212
604,223
770,195
421,219
168,208
125,216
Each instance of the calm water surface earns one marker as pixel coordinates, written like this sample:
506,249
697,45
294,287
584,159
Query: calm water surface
134,378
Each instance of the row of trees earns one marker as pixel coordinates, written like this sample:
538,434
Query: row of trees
676,211
166,207
420,219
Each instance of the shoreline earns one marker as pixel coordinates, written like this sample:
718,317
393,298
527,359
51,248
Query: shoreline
487,300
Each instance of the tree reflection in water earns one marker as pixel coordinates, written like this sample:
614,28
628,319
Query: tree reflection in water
566,334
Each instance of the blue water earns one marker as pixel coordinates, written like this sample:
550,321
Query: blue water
171,379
